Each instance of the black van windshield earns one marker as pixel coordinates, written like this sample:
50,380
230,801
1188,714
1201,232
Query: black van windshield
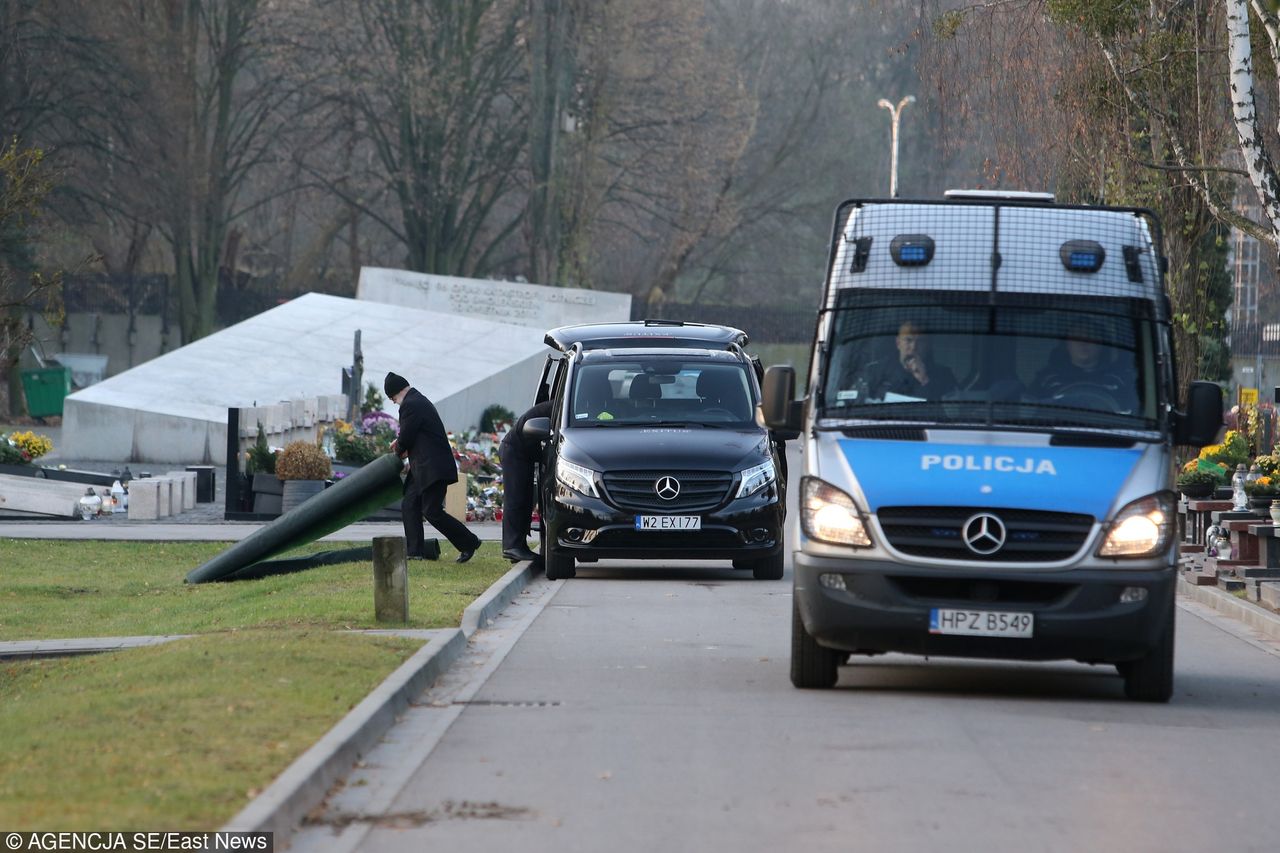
661,392
975,358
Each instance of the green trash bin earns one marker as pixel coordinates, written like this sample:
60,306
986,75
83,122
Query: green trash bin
46,388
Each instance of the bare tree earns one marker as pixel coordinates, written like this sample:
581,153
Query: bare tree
197,91
25,183
815,138
1106,102
656,118
423,99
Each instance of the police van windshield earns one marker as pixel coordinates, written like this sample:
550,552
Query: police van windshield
974,358
661,391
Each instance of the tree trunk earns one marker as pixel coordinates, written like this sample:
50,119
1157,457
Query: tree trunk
1262,173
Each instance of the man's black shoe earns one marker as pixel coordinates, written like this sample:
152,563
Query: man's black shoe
463,556
518,555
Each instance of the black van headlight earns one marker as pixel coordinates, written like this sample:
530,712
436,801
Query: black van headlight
575,477
756,478
1141,529
829,515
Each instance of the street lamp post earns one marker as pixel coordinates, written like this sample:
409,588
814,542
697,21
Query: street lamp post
895,113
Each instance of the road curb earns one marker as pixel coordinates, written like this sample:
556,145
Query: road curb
1256,617
280,808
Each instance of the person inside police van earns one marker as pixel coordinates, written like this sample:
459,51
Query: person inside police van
914,373
1081,365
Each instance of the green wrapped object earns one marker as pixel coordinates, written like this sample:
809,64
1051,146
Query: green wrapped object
349,500
1216,469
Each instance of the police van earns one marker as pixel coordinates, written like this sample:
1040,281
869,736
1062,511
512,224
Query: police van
987,439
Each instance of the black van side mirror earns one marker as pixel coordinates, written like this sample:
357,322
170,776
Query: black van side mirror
536,429
781,410
1200,423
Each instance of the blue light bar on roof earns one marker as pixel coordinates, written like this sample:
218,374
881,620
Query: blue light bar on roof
1082,255
911,250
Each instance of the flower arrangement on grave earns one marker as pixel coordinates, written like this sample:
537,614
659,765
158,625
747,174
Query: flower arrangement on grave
260,458
1197,483
1221,460
303,460
494,417
1262,487
23,448
477,457
361,444
372,400
1269,465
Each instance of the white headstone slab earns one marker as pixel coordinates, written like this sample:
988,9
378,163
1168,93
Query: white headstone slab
533,305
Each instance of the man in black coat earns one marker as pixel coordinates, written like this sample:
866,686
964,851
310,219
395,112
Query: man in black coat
431,469
914,373
518,455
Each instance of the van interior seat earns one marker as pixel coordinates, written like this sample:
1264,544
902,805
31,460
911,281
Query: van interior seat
723,390
644,391
595,394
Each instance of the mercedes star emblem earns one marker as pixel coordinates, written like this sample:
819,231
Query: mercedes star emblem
668,488
983,533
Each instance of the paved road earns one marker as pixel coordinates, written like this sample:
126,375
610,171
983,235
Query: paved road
649,709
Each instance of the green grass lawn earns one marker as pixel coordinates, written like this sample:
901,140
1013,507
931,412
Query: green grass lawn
52,590
179,736
183,735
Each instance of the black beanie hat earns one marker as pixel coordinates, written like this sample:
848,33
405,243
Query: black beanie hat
394,384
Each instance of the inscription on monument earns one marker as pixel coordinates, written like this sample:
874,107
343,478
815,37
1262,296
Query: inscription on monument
525,304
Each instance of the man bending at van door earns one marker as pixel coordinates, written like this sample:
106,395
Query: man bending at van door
915,373
431,469
518,456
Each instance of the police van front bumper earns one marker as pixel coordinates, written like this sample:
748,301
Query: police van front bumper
1091,615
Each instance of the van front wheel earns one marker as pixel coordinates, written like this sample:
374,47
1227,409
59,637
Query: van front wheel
559,565
765,569
1150,679
813,667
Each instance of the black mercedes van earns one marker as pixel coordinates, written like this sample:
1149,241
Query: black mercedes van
655,449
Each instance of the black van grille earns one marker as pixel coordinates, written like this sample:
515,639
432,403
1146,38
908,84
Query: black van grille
1032,536
699,490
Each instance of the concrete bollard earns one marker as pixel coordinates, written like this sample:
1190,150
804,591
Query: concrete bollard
187,481
390,579
144,500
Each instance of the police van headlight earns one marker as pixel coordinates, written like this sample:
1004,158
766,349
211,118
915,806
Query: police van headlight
1141,529
829,515
575,477
755,479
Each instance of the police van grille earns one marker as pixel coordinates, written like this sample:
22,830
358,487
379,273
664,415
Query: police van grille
699,490
1032,536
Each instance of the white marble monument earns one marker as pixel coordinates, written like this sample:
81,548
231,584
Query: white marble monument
174,408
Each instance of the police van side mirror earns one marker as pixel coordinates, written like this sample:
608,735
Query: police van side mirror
778,404
1200,423
536,429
